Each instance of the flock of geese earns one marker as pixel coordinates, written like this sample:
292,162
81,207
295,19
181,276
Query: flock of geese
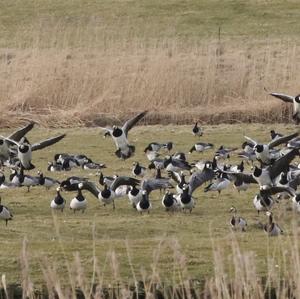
272,171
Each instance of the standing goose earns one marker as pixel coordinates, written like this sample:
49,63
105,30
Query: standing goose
197,131
120,134
138,170
46,181
58,203
221,183
237,222
79,202
144,205
185,199
271,228
169,202
134,195
5,213
290,99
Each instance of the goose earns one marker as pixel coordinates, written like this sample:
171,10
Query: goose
25,149
262,151
134,195
138,170
221,183
296,202
197,131
54,166
157,164
79,202
237,222
5,213
92,165
185,199
26,180
58,203
223,153
198,178
144,204
155,146
272,229
263,201
108,194
290,99
179,179
5,185
72,183
175,165
275,135
201,147
169,202
46,181
5,152
120,134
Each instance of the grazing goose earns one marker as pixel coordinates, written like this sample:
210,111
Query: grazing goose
170,202
272,229
54,166
120,134
46,181
155,146
197,131
262,151
25,149
58,203
223,153
175,165
144,205
138,170
5,213
72,183
290,99
237,222
79,202
92,165
201,147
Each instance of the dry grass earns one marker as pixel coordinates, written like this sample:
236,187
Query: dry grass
213,82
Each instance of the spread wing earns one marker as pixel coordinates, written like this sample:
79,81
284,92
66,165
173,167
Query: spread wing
47,142
155,184
123,180
18,134
131,122
240,176
283,97
199,178
251,141
282,139
282,164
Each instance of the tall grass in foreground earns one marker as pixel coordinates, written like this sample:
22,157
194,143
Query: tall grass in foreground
235,275
177,80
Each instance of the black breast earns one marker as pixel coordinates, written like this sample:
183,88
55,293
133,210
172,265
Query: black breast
58,199
117,132
168,200
106,193
144,204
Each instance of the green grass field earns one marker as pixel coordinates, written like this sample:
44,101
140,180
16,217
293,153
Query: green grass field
172,246
144,19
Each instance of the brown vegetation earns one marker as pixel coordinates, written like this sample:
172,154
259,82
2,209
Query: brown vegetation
213,81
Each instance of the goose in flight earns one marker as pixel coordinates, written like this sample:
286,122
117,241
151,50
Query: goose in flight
290,99
120,134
